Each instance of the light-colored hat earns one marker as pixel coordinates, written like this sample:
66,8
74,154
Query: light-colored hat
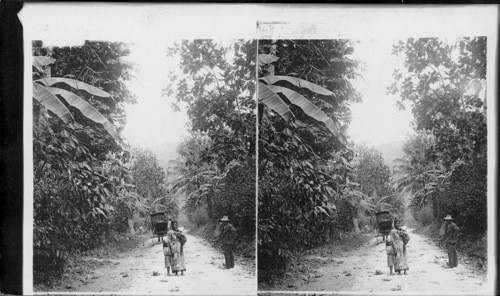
224,219
448,217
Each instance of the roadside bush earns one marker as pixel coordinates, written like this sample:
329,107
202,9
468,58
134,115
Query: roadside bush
424,215
465,198
365,222
198,216
236,198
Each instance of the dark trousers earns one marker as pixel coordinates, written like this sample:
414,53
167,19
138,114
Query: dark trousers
452,255
228,254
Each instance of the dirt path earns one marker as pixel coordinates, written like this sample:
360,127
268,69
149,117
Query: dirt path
132,272
355,271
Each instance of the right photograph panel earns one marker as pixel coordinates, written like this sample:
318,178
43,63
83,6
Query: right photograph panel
372,165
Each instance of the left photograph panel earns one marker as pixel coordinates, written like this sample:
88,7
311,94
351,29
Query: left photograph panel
144,176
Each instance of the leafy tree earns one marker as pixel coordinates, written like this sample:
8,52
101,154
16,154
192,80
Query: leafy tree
445,87
80,171
304,164
372,173
220,102
46,94
217,87
373,177
186,172
150,185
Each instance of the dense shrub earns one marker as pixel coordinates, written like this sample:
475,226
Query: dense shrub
216,167
81,178
465,197
236,198
198,216
447,167
304,165
424,215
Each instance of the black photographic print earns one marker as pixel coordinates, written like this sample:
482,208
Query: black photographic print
143,161
373,156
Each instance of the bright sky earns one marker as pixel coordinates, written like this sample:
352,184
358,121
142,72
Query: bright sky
377,120
152,121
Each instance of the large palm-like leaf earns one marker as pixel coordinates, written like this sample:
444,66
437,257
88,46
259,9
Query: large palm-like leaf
301,83
86,109
416,179
309,108
268,95
47,96
407,177
374,203
52,103
273,101
91,90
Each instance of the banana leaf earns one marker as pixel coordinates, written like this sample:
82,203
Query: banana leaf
301,83
49,100
86,109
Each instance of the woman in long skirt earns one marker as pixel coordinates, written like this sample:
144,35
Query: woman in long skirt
177,249
399,248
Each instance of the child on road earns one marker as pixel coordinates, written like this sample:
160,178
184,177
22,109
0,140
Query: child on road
390,255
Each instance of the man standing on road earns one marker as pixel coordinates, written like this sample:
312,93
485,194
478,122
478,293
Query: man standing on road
228,239
450,238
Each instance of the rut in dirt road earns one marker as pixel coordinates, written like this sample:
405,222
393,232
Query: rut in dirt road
142,271
364,269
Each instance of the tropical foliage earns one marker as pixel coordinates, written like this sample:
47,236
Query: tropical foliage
151,185
80,166
374,176
216,168
444,84
304,160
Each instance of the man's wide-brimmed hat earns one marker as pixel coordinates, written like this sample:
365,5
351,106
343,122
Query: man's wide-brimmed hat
448,217
223,219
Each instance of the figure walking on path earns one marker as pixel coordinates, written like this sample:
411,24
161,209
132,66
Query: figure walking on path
228,239
450,238
176,240
391,258
167,251
399,247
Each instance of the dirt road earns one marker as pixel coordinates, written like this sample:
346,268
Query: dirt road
133,272
364,270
